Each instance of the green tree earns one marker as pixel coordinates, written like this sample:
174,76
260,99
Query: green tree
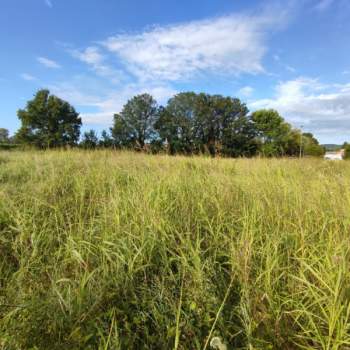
106,139
273,132
90,139
239,138
4,135
48,121
346,148
311,146
135,124
122,133
175,124
222,125
207,123
291,145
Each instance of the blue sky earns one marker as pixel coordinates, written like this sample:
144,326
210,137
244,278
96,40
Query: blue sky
291,55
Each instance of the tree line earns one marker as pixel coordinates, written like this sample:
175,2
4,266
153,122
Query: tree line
190,123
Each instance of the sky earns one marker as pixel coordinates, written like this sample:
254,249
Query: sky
289,55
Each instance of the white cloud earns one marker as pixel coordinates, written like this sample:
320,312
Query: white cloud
153,60
245,91
48,63
225,45
93,57
323,5
90,55
322,108
28,77
49,3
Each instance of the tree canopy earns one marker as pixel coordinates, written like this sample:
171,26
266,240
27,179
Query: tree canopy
134,125
90,139
176,121
48,121
190,123
4,135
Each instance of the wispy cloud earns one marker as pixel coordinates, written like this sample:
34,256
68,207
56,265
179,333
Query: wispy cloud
49,3
323,108
156,59
231,44
245,91
28,77
93,57
48,63
279,61
323,5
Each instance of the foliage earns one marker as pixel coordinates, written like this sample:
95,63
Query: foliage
310,146
4,135
118,250
8,146
273,131
135,123
176,121
346,148
48,121
106,139
193,123
219,120
90,139
190,123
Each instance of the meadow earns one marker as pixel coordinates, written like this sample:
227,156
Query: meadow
121,250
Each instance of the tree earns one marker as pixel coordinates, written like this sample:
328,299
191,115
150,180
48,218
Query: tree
135,124
4,136
208,123
239,138
175,124
222,125
122,134
346,148
311,146
90,139
272,131
106,140
48,121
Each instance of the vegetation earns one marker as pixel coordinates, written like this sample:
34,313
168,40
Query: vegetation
331,147
6,142
134,126
90,139
118,250
189,124
48,121
4,136
346,148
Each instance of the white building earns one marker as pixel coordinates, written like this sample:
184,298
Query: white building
339,155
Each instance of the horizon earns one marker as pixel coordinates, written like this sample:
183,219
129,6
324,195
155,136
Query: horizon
270,54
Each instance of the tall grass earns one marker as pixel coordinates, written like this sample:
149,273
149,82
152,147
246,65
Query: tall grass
108,250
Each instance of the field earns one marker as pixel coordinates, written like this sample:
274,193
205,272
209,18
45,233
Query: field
118,250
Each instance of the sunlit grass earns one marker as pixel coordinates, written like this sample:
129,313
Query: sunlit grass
113,250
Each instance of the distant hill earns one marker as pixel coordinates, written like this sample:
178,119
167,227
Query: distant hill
332,147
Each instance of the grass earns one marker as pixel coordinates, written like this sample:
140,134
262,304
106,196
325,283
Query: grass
108,250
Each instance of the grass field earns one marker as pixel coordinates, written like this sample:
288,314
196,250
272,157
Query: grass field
111,250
